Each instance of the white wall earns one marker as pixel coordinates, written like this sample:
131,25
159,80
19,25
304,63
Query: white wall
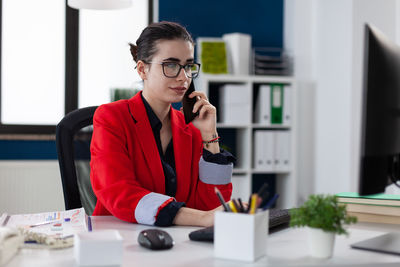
299,41
105,61
398,22
326,38
333,95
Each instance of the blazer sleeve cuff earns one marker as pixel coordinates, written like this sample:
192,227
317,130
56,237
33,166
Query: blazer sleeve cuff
224,157
166,215
213,173
148,207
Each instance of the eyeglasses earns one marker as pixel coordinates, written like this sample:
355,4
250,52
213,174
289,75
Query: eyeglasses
172,69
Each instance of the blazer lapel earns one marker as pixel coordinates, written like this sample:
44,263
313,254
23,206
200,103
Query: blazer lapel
182,139
147,142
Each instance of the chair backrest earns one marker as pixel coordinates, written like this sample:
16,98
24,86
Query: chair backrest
73,148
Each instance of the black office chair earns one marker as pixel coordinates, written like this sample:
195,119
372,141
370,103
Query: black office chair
73,136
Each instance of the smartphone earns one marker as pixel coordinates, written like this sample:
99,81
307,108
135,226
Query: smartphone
188,104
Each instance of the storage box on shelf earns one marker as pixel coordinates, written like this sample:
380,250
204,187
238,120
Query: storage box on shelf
256,121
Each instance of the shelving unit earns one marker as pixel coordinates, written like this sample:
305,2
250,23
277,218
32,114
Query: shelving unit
241,138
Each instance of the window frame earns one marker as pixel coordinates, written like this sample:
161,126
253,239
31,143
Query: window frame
71,72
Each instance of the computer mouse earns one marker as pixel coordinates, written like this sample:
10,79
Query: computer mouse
155,239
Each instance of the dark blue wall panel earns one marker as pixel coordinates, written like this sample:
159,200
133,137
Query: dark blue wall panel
263,19
20,150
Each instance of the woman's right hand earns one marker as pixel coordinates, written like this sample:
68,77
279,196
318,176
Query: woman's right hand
208,217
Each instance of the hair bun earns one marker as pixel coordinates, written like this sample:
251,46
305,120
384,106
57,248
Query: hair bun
134,50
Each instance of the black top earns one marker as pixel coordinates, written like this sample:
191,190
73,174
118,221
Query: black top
168,213
167,159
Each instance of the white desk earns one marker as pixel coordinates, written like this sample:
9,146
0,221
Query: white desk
285,248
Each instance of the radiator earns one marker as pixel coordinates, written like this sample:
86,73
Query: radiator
30,186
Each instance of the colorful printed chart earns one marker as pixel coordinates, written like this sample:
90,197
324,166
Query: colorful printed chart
59,223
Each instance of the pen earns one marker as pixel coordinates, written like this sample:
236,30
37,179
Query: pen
236,204
263,189
241,205
253,203
263,198
248,206
262,194
271,202
221,199
7,218
232,206
89,224
43,223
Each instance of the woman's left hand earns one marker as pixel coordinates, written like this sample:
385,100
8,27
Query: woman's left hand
206,121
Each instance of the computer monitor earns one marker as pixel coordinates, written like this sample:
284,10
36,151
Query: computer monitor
380,132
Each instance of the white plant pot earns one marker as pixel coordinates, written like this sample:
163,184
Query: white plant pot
321,243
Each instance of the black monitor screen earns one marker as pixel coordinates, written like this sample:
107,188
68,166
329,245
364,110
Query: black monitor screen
380,133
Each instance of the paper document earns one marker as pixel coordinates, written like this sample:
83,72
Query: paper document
59,223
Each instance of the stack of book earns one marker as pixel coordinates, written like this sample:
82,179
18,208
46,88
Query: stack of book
379,208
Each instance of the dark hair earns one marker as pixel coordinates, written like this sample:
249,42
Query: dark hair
145,46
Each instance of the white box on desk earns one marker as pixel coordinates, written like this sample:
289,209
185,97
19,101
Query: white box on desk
240,236
98,248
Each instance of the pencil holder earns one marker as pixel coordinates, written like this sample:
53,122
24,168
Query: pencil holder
240,236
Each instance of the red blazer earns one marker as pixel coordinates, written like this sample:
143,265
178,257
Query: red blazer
126,165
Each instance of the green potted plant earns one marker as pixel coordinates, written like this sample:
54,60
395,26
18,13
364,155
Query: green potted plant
324,217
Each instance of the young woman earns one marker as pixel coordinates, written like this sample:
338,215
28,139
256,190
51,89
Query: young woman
147,165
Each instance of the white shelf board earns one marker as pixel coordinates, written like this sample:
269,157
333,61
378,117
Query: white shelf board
246,78
240,171
262,126
225,125
256,171
254,125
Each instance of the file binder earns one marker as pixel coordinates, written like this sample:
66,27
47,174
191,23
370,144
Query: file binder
238,46
258,158
269,151
263,106
264,150
287,105
234,104
272,151
282,151
276,103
